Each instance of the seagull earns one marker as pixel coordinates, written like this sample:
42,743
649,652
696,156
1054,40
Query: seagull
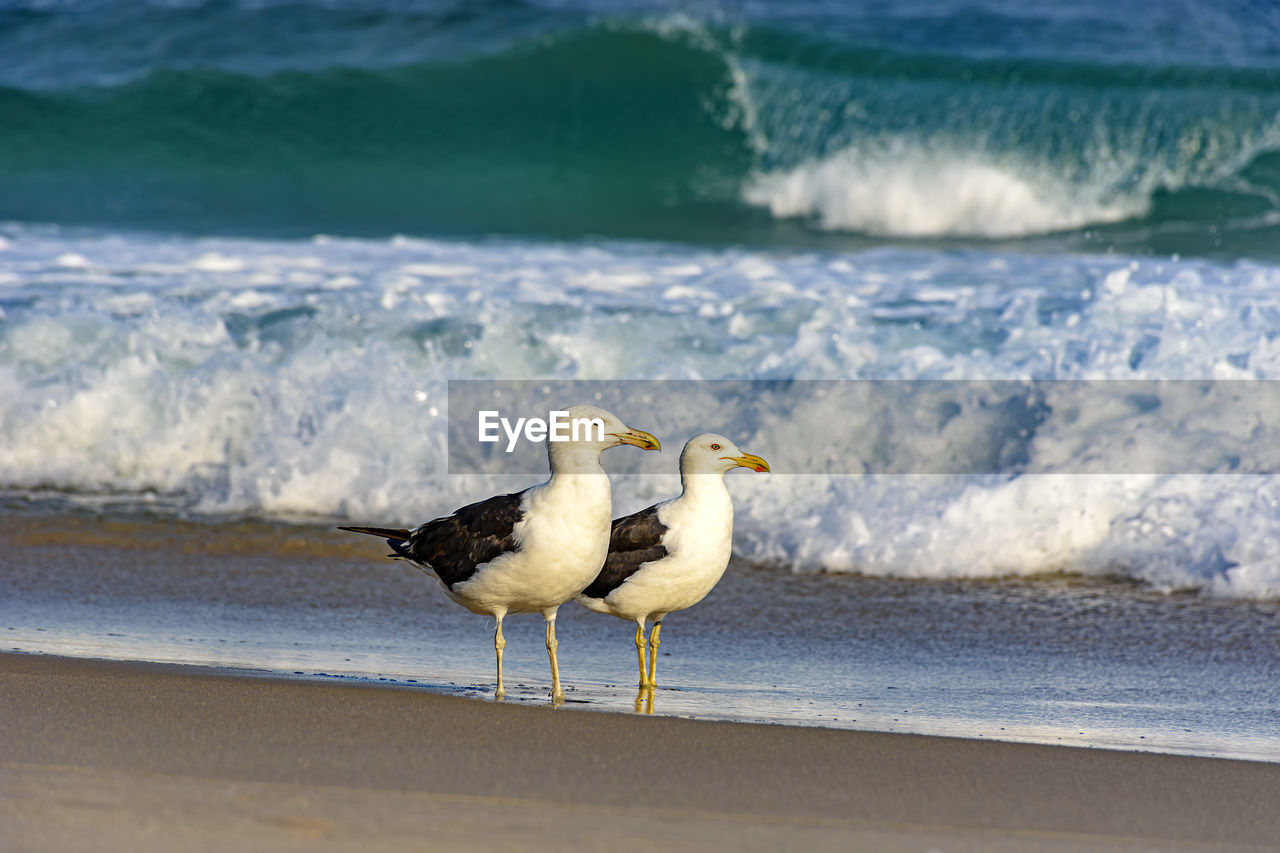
667,557
529,551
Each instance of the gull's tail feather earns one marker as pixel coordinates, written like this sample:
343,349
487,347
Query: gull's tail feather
391,534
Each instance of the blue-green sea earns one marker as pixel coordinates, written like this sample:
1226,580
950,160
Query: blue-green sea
828,125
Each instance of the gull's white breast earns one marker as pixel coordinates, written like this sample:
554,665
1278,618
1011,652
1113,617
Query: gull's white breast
564,540
699,541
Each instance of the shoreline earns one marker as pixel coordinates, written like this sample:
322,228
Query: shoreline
126,754
617,700
1058,662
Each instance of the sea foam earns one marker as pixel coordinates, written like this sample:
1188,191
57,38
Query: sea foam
309,379
904,189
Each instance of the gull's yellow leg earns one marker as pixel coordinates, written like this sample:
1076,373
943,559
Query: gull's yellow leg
557,695
648,699
654,642
644,680
499,643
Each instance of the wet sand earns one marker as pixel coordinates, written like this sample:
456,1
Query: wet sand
1058,661
118,756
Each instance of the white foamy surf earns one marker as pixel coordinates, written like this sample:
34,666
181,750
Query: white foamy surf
308,378
907,190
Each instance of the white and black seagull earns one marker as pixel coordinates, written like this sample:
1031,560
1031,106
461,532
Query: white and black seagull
667,557
529,551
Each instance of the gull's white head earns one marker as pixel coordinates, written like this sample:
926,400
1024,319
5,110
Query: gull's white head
710,453
592,430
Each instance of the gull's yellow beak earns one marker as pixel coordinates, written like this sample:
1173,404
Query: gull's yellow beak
637,438
749,460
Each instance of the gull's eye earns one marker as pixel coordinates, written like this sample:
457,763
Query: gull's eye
715,447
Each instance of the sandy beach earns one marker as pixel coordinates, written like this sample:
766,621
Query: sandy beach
117,756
